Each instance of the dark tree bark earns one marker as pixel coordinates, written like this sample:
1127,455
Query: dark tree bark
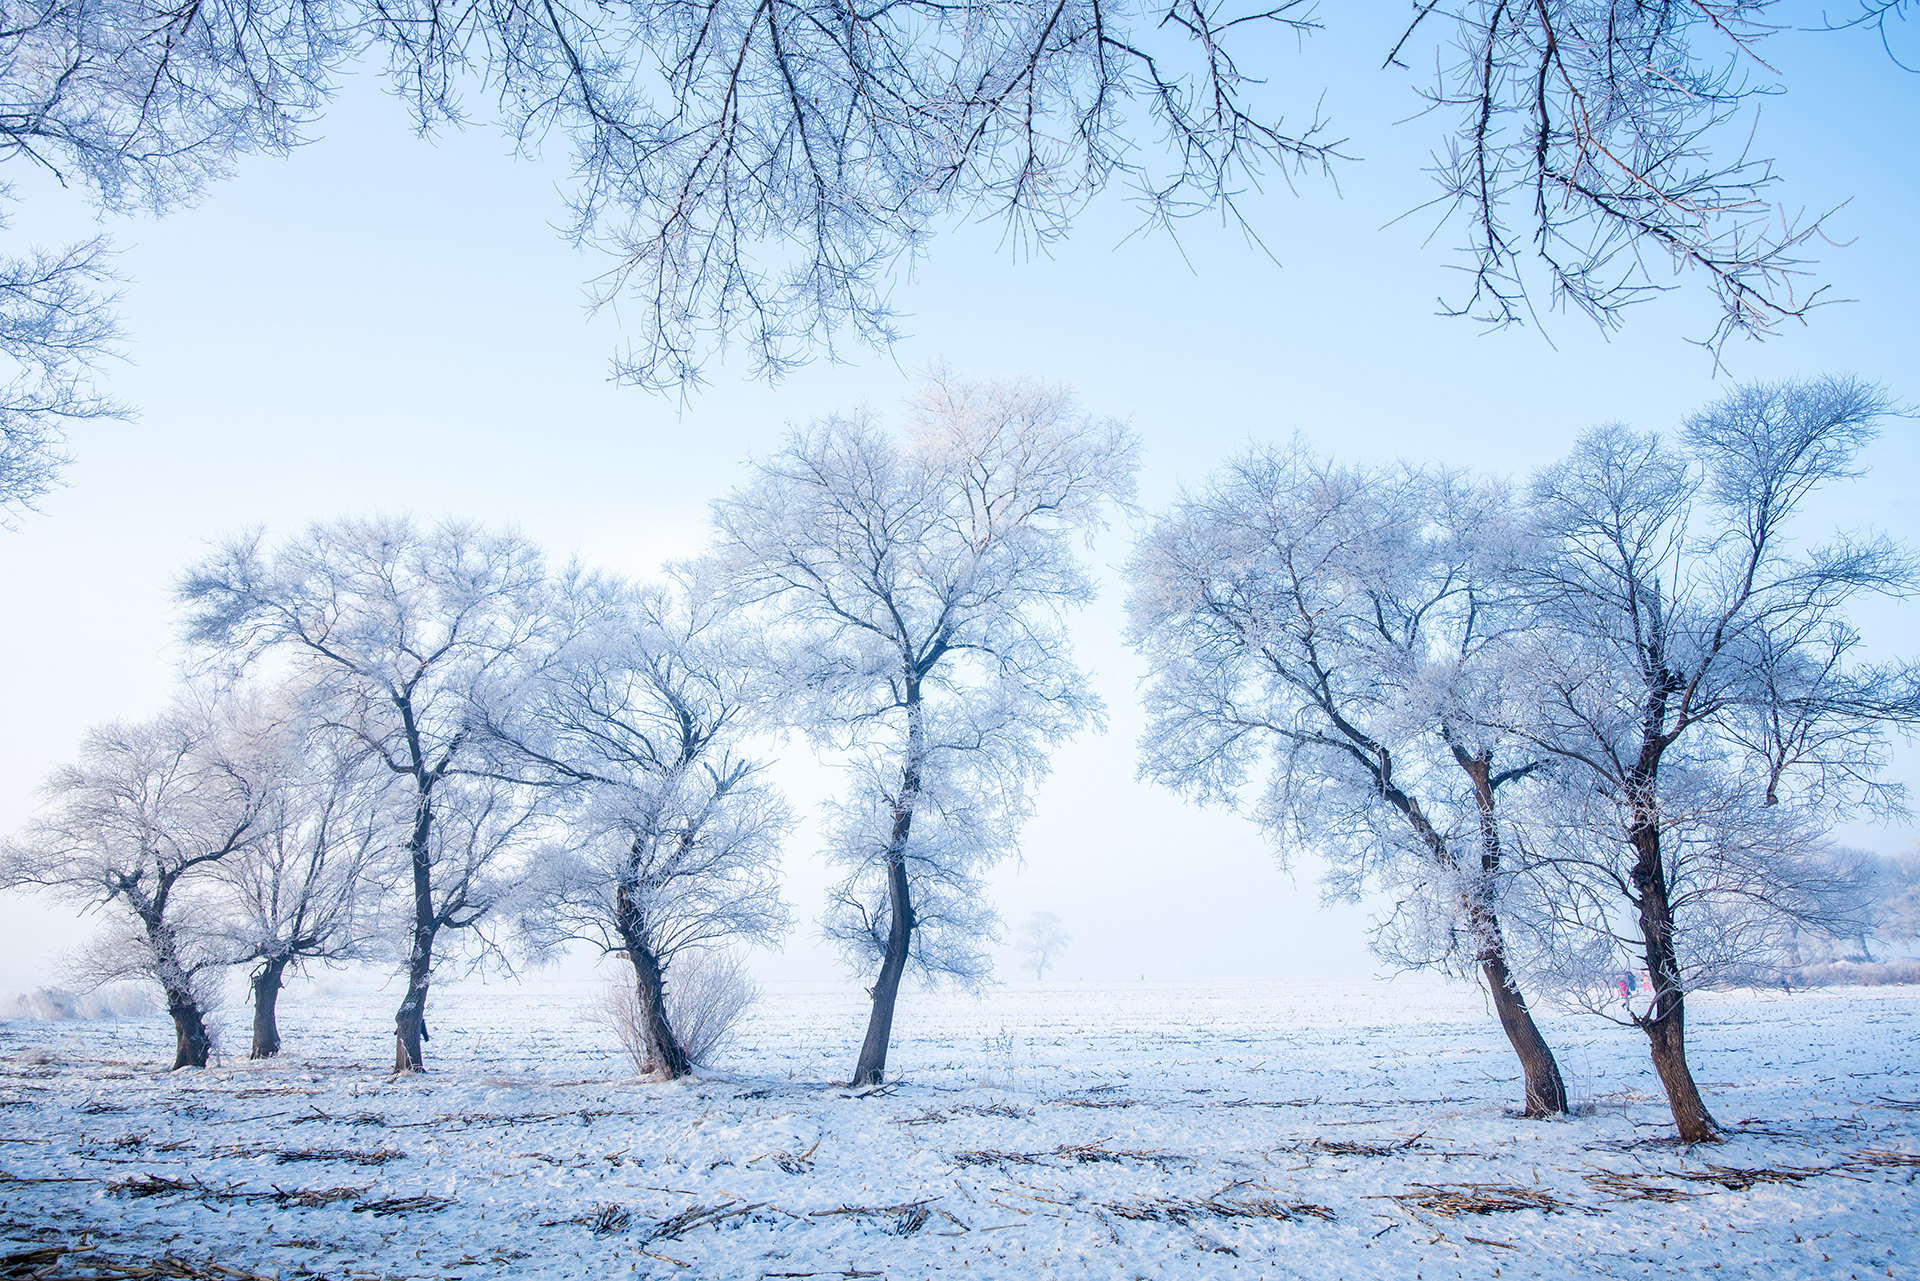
872,1065
1546,1091
266,997
666,1057
191,1042
410,1020
1666,1022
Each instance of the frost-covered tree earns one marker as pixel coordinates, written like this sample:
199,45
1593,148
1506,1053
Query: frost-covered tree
1681,641
915,593
672,832
400,640
305,889
134,828
1039,940
1342,633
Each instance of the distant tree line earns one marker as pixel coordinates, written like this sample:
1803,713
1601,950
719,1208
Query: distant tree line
1593,726
406,743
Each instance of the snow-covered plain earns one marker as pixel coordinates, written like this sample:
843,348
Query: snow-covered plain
1261,1129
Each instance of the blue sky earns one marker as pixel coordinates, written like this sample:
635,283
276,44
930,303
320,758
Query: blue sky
381,323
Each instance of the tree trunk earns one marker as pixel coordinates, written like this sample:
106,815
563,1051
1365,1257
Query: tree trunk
1666,1022
410,1020
872,1066
1667,1037
1546,1093
266,995
666,1057
191,1042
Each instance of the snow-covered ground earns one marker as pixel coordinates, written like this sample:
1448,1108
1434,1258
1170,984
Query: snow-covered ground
1140,1130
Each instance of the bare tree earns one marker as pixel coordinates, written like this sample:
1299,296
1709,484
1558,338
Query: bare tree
915,593
303,890
144,105
1668,599
1039,939
1889,887
134,828
673,833
1896,884
1345,631
400,640
757,171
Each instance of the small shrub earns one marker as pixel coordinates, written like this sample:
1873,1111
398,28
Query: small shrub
707,994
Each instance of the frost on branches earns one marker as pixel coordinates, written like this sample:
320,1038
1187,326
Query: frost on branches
1344,632
400,640
1697,690
915,593
132,828
307,886
671,832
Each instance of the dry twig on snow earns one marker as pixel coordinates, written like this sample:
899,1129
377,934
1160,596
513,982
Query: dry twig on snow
1736,1179
1183,1210
1882,1157
404,1205
1455,1199
1082,1153
1339,1147
1636,1187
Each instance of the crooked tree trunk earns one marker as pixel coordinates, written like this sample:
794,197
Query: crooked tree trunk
666,1057
872,1067
410,1020
191,1042
1546,1091
1666,1022
266,997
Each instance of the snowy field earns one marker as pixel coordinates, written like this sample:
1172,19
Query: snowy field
1141,1130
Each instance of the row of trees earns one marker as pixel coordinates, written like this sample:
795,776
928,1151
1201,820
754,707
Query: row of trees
1597,725
403,737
